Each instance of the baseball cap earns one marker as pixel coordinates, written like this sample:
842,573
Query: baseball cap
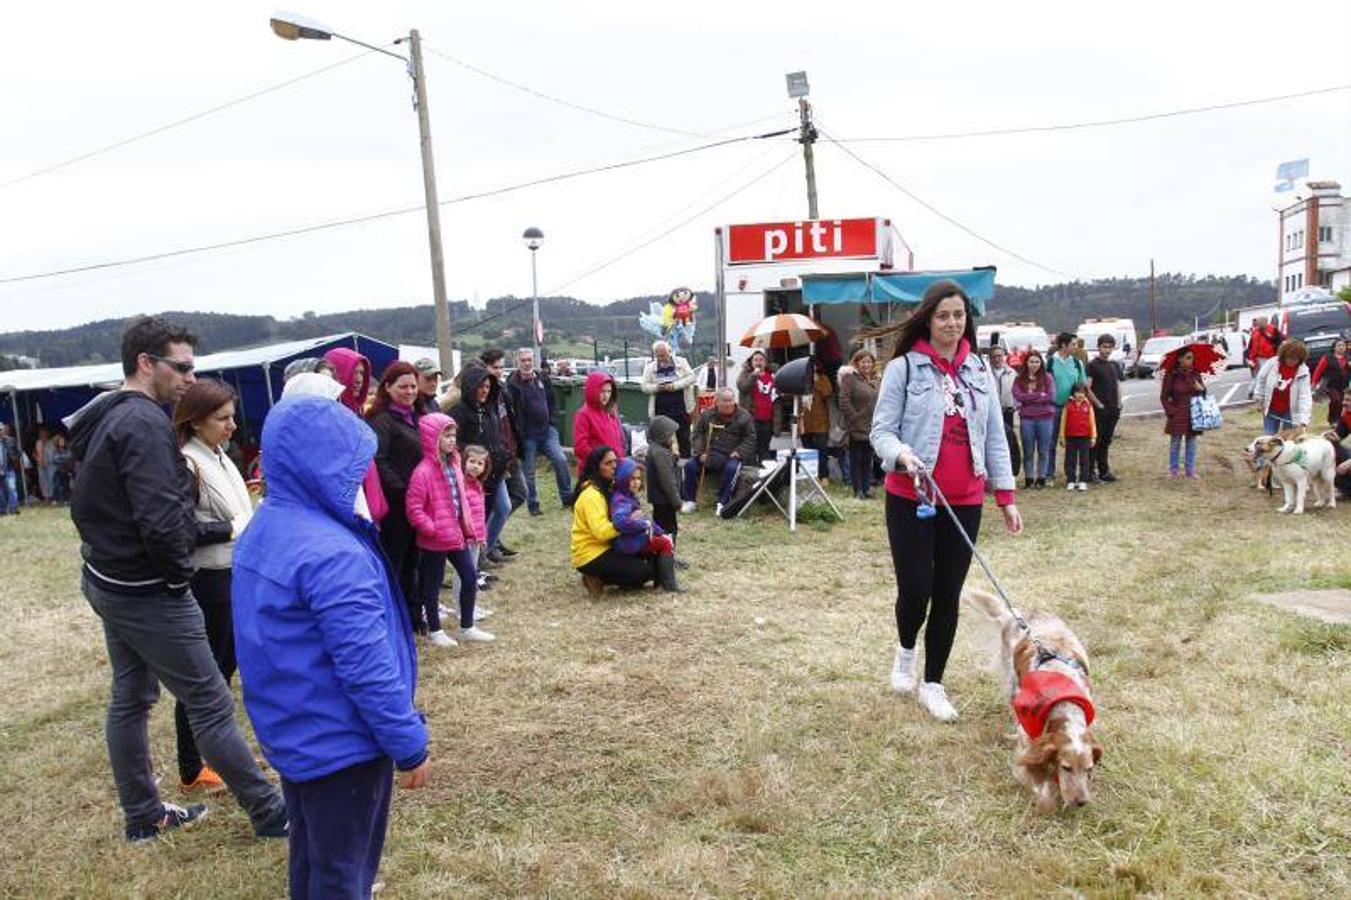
427,366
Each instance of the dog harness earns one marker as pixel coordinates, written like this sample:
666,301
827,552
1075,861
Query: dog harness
1042,689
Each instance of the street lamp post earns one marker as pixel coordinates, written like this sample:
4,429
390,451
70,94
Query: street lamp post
293,27
533,237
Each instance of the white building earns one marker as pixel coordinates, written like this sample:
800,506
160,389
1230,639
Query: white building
1315,239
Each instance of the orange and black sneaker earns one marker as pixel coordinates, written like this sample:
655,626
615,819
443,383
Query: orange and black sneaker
206,782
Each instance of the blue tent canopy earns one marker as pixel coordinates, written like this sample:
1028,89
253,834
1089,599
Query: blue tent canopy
895,287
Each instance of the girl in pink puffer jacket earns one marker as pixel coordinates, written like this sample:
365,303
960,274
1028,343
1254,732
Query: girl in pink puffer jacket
439,510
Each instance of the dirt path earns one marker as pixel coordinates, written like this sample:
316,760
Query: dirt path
1331,605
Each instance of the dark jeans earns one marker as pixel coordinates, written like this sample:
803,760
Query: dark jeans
1011,435
432,570
613,567
397,537
1078,453
338,827
211,587
763,432
517,491
1049,472
931,560
730,469
549,446
1107,417
664,514
156,639
861,464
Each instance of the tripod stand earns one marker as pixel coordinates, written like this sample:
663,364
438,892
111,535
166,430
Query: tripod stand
791,465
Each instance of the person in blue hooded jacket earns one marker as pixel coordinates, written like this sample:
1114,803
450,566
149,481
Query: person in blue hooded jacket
325,649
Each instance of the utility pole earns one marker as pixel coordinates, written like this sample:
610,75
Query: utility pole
807,138
1153,310
440,308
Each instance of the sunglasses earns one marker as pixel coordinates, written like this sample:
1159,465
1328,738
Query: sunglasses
178,365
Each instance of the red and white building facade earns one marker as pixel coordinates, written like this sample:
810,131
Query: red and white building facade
1315,240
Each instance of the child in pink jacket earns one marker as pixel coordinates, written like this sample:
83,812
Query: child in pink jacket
478,464
439,510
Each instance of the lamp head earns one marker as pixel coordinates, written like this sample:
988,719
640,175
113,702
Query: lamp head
294,27
533,237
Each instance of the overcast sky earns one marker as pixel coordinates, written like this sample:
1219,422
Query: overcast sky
1193,192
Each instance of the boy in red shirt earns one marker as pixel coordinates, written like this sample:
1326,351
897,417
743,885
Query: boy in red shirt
1078,434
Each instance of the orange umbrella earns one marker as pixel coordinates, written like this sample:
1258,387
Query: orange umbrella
783,330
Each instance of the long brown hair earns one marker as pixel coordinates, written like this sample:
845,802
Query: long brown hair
202,399
916,325
1025,378
393,372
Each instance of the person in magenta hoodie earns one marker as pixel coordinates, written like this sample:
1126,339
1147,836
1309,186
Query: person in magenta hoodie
597,422
353,372
438,508
1034,392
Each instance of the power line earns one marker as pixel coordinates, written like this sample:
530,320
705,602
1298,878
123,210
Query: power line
591,110
220,107
339,223
936,211
1099,123
676,227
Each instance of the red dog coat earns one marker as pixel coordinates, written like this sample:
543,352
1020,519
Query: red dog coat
1040,690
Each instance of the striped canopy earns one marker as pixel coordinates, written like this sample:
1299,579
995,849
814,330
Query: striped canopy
783,330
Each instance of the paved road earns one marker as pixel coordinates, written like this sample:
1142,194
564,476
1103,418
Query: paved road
1140,397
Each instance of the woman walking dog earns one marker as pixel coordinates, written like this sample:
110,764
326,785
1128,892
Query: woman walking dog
937,412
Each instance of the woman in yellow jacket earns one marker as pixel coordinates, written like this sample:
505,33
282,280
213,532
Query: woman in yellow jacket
593,533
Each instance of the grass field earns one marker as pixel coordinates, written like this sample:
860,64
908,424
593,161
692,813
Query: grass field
742,740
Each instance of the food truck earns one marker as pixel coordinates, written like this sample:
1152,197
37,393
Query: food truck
841,272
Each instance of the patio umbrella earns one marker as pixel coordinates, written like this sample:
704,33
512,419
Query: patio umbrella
781,331
1208,359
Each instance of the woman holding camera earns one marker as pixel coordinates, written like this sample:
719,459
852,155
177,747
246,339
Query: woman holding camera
937,412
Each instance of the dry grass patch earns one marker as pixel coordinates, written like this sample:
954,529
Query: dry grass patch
741,739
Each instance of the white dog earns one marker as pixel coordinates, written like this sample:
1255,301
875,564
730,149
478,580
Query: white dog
1298,464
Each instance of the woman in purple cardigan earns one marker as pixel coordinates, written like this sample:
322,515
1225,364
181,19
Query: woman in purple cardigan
1034,393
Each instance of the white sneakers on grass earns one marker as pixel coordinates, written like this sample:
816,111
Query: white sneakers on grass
934,698
903,671
439,638
931,695
476,635
688,507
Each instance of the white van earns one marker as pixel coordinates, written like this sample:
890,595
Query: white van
1123,330
1235,345
1015,338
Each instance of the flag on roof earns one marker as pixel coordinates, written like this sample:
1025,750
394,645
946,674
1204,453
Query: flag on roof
1287,173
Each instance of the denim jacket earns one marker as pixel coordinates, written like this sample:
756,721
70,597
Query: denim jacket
909,415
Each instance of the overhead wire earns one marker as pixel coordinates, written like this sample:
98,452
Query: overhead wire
591,110
1098,123
168,126
357,220
936,211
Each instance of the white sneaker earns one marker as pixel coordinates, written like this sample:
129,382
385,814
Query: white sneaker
1069,486
476,635
934,698
688,507
481,613
440,639
717,510
1083,485
903,671
482,579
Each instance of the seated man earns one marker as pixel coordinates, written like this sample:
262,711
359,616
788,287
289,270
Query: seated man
723,437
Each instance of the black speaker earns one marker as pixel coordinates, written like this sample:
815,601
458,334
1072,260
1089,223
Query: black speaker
796,377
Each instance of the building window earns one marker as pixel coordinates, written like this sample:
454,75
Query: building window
1324,234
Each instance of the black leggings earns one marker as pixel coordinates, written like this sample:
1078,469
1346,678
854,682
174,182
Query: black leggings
431,570
764,432
931,561
398,539
211,587
623,569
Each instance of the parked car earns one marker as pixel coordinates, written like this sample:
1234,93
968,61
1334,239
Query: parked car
1015,338
1123,330
1153,351
1317,326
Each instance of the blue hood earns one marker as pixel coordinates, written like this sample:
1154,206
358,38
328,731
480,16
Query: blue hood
315,453
623,473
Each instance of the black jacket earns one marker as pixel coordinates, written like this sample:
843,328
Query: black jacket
398,451
478,424
735,435
516,403
133,497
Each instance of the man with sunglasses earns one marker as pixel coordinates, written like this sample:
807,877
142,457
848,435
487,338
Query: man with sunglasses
133,507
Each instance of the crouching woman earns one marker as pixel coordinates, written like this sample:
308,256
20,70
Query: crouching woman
593,533
325,649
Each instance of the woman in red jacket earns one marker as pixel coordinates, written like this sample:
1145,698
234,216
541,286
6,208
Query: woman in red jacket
1330,377
1180,384
597,422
